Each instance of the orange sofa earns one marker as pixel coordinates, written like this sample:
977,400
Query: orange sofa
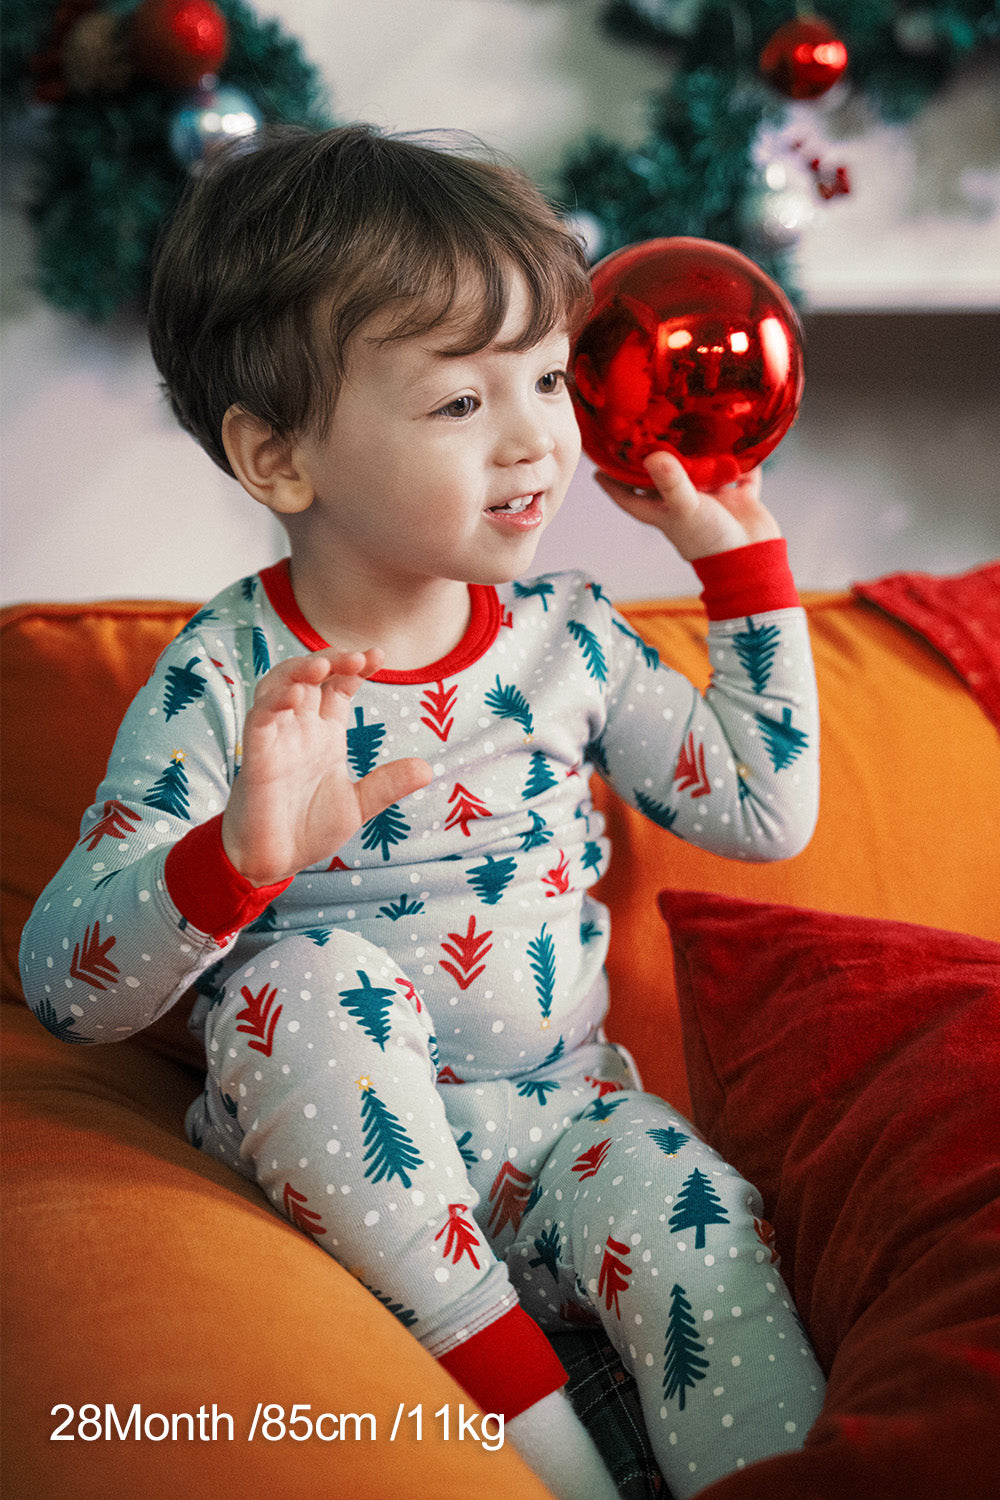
838,1019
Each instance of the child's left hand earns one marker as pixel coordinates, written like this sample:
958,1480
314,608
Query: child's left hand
697,522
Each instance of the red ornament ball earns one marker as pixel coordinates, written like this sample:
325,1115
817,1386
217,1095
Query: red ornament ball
689,347
178,42
804,58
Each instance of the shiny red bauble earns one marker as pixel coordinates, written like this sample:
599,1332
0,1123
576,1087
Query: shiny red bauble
804,58
689,347
178,42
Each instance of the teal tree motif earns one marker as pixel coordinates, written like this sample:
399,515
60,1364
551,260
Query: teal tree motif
547,1245
784,741
697,1206
670,1140
369,1005
508,702
683,1364
541,777
490,879
593,652
389,1151
658,812
538,588
755,648
183,687
387,828
542,956
169,792
363,743
261,653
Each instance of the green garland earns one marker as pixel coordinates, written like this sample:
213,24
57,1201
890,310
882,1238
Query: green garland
105,177
695,173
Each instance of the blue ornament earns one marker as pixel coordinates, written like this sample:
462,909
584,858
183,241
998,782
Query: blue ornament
210,117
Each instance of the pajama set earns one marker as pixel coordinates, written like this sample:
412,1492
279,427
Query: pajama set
404,1043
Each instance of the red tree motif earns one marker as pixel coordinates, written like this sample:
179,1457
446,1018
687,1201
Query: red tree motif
90,962
558,878
448,1075
590,1162
509,1195
295,1210
691,774
466,810
261,1017
614,1274
407,986
468,949
461,1237
439,705
117,822
765,1233
603,1086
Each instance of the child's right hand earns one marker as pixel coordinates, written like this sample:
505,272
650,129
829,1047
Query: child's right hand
293,803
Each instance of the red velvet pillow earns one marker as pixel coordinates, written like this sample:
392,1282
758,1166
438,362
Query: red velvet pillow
850,1068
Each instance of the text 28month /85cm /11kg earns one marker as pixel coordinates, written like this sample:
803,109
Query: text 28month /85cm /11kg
273,1423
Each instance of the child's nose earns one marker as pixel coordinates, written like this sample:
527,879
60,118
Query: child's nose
527,437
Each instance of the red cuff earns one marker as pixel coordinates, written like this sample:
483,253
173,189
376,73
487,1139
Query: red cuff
208,891
747,580
508,1366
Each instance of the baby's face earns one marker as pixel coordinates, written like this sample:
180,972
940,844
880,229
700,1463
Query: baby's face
444,466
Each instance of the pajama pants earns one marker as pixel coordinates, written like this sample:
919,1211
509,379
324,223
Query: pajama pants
568,1190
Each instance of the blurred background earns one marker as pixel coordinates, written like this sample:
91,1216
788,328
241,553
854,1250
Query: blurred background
887,228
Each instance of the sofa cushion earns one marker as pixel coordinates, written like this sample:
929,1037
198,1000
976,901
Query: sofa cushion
850,1068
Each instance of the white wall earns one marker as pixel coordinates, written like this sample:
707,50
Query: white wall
892,464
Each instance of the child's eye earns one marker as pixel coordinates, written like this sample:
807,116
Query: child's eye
552,382
462,406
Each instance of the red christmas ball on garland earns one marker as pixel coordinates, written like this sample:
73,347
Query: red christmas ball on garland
178,42
804,58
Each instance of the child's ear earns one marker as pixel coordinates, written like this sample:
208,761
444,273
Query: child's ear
264,463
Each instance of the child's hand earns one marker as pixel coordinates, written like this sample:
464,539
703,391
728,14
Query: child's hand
293,803
697,523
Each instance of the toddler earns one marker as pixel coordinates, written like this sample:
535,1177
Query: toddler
350,807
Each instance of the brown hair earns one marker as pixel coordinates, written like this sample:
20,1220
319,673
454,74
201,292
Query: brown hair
347,222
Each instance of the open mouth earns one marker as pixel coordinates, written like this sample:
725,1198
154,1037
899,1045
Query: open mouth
513,507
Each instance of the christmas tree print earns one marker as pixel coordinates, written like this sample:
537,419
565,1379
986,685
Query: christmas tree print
593,653
554,1055
116,822
62,1030
589,1162
670,1140
261,654
183,687
202,617
541,777
460,1237
657,812
538,588
768,1238
557,879
318,935
403,906
588,931
259,1017
601,1109
784,742
509,1196
406,1315
537,1088
597,755
592,855
490,879
169,792
614,1274
465,1151
690,775
537,835
389,1151
298,1214
467,949
363,743
467,808
267,921
90,962
650,654
384,830
547,1245
542,957
248,586
508,702
697,1206
438,704
755,648
683,1364
369,1005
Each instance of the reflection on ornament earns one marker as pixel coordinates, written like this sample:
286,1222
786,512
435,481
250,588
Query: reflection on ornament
690,347
804,58
179,42
210,118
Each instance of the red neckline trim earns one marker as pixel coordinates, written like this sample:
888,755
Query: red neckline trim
483,628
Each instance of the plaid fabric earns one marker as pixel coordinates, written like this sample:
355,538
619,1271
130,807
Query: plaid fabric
605,1399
